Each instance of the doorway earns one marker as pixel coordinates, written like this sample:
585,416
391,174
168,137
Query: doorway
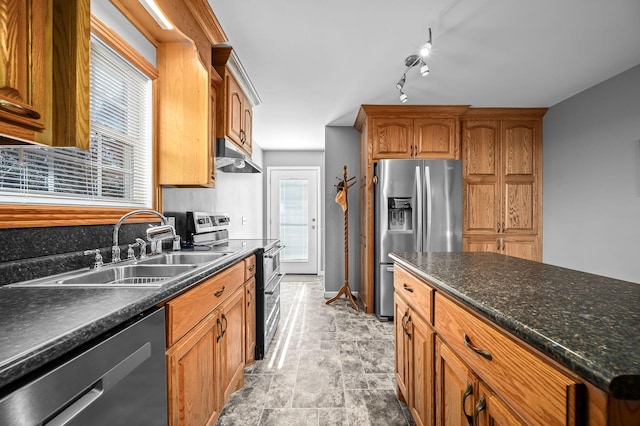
292,216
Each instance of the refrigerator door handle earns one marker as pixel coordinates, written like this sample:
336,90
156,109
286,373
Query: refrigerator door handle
419,197
427,210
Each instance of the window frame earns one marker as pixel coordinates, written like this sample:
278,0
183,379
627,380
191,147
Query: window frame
35,215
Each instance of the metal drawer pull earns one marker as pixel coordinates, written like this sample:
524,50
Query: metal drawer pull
467,393
481,352
482,405
219,292
251,268
407,288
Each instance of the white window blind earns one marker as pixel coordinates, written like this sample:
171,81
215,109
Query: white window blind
117,170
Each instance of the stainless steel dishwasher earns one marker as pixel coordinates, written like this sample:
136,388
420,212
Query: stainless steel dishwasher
120,379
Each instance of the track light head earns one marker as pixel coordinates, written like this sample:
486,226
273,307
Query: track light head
403,97
400,83
424,69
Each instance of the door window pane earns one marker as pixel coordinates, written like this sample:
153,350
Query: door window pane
294,219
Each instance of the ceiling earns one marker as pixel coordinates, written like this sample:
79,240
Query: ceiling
313,63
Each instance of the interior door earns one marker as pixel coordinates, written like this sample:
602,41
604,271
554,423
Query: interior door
293,217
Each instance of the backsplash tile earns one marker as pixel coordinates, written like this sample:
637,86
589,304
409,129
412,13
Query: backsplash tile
29,253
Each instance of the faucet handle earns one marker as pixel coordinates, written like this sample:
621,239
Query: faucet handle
143,247
98,263
130,253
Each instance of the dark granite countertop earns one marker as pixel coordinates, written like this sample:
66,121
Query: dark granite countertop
40,324
588,323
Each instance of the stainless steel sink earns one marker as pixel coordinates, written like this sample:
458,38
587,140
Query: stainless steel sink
140,275
182,258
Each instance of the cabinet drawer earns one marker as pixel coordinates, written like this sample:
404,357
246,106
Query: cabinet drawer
249,267
416,292
188,309
523,379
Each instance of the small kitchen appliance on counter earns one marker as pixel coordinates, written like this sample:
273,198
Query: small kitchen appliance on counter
207,230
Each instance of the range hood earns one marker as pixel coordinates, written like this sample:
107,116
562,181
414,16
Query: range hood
230,160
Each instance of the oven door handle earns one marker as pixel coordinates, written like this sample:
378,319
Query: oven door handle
273,287
271,255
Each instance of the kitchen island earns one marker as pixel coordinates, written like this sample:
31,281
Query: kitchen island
583,324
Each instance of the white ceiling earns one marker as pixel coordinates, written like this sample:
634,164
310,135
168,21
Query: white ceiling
314,63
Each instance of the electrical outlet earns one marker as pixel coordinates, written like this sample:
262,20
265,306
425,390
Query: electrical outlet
244,220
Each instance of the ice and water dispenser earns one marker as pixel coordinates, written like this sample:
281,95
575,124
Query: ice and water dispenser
400,214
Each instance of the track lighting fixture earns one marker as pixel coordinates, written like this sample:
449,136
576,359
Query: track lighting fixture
412,61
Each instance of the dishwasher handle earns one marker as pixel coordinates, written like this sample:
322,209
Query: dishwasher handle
102,386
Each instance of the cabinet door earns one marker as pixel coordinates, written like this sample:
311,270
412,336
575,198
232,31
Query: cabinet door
25,61
481,244
247,117
522,247
481,176
193,369
490,410
421,371
234,110
455,388
250,320
435,138
233,341
184,99
392,137
401,310
520,168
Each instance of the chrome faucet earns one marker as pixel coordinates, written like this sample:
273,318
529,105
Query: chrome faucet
154,233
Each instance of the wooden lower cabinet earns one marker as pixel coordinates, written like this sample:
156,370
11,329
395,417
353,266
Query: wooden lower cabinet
206,347
250,321
232,341
193,365
414,359
462,399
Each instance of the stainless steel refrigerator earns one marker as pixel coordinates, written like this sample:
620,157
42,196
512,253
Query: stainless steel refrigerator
418,208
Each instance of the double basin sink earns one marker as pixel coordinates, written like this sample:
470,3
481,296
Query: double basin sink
153,271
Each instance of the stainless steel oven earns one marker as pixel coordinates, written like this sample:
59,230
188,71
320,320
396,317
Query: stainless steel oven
267,296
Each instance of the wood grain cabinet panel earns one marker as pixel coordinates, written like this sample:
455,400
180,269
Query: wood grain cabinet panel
502,178
393,137
232,341
540,392
184,101
45,72
194,366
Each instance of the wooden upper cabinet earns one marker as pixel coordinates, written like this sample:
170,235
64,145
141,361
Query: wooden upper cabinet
184,140
428,132
25,66
393,137
502,174
235,110
436,138
45,72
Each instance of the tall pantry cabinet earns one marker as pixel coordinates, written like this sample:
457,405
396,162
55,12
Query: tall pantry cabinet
502,175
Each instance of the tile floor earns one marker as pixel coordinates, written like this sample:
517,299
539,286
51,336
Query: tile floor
327,365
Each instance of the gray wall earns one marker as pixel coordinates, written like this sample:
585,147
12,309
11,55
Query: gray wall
341,148
591,178
238,194
297,159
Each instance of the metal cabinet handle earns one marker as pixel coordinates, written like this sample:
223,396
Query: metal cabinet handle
407,288
481,352
467,393
250,297
499,228
407,329
18,109
220,333
226,325
480,407
219,292
251,268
